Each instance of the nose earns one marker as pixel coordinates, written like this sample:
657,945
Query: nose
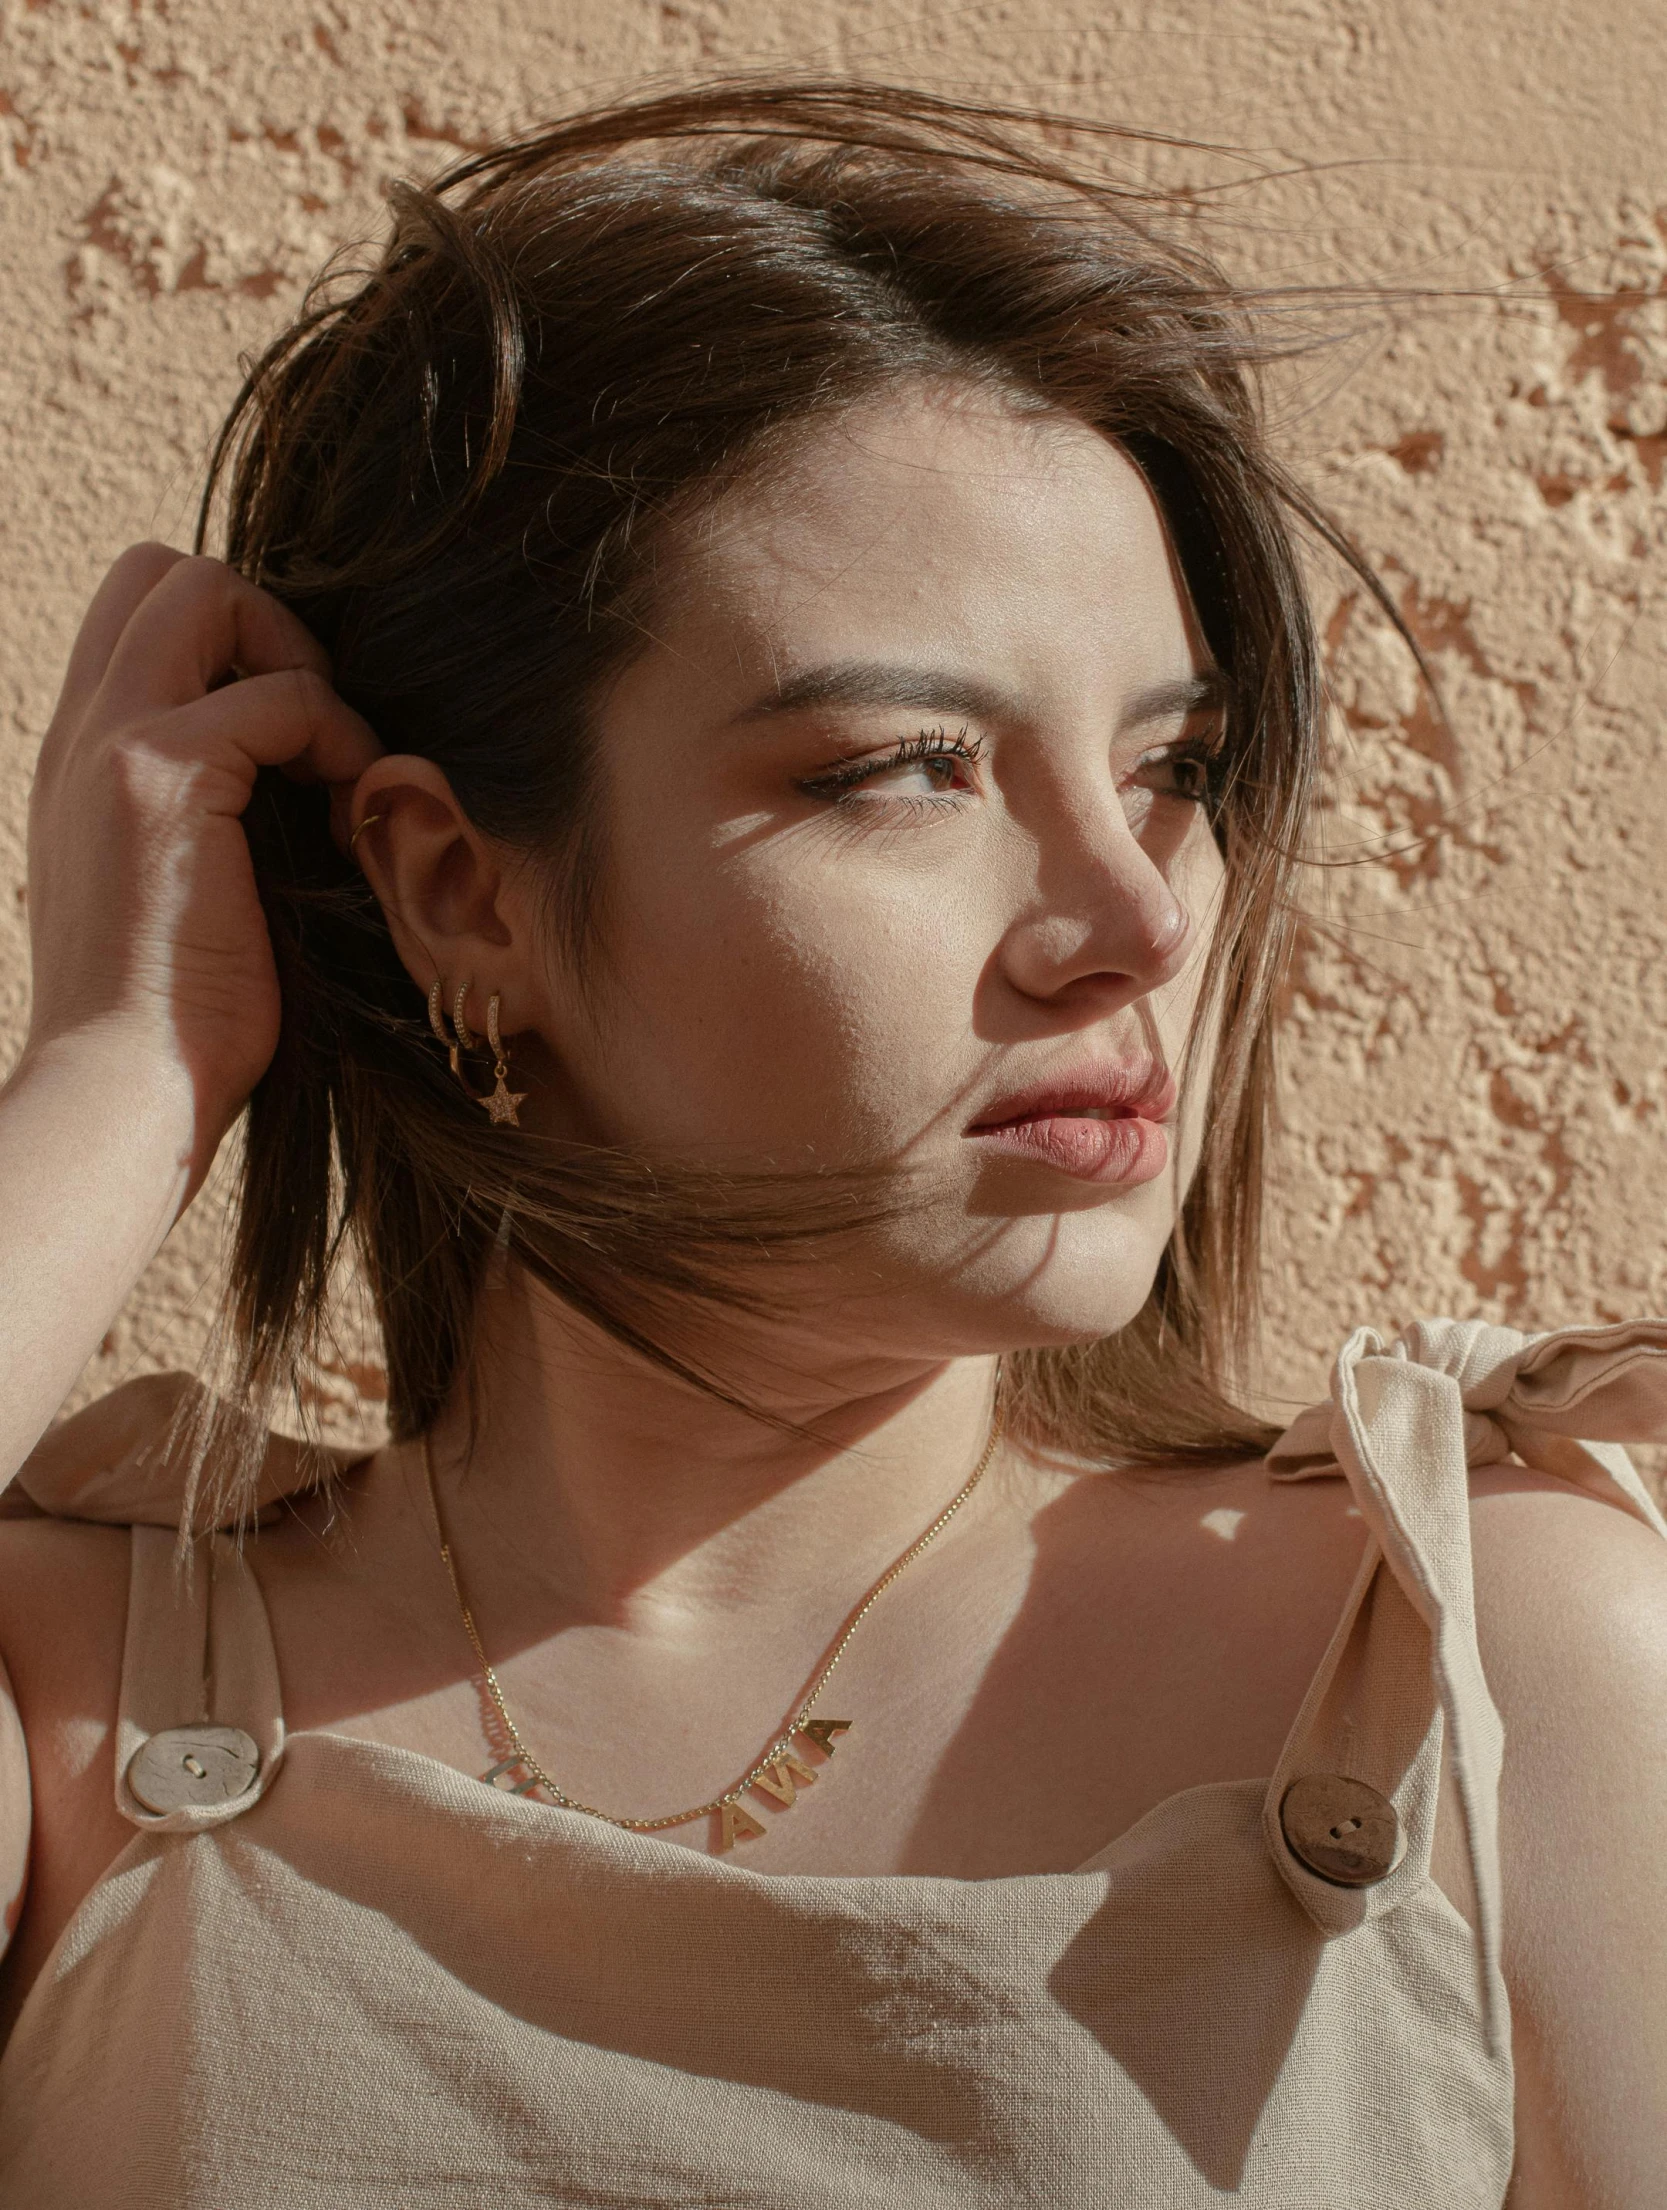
1101,926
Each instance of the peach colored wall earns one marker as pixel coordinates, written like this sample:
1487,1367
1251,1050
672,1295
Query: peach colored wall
1477,1092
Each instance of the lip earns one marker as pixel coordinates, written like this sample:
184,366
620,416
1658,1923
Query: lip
1048,1124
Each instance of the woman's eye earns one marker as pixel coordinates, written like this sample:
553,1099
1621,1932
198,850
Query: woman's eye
925,778
926,767
1179,771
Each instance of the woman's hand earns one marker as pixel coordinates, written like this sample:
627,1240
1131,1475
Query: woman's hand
146,925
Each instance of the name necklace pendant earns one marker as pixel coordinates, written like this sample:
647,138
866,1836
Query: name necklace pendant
779,1776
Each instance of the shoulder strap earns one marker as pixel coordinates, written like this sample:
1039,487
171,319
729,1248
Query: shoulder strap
1405,1422
198,1673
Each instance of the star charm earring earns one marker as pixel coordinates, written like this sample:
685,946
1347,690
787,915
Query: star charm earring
500,1101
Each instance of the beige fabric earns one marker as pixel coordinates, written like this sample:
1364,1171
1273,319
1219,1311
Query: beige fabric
373,1981
197,1648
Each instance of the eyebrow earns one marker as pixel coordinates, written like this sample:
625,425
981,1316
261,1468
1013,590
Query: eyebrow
1189,694
884,683
943,690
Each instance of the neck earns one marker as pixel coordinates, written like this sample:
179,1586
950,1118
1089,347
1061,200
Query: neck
612,1492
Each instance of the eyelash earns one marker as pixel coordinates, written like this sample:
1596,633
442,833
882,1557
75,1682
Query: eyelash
1209,754
930,744
835,783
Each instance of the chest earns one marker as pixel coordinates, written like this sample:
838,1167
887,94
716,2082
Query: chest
1014,1702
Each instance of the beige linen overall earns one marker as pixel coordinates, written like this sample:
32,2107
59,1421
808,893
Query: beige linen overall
371,1980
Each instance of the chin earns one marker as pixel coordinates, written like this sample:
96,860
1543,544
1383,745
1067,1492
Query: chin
1043,1282
1056,1315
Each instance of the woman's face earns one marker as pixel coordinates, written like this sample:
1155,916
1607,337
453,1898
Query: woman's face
905,862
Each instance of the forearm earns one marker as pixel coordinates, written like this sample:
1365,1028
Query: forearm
95,1142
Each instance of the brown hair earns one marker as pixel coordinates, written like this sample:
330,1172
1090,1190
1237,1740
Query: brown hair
455,467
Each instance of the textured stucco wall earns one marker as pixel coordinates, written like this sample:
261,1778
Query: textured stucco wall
1478,1109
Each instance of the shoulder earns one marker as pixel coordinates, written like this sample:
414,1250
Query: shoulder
63,1579
63,1613
65,1547
63,1590
1571,1604
63,1616
1571,1618
123,1458
1571,1592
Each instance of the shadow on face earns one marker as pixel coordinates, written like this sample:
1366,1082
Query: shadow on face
906,860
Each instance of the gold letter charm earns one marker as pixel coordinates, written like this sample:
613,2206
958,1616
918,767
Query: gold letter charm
822,1732
736,1822
516,1784
778,1779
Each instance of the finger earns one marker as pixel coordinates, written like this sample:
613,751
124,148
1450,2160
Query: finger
201,623
127,582
292,720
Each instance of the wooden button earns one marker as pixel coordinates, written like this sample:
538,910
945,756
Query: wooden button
1340,1828
192,1765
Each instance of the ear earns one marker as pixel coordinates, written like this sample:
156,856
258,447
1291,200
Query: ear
457,908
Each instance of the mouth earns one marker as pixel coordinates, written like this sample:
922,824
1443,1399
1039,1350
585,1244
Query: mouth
1105,1127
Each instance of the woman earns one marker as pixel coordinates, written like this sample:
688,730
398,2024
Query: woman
745,865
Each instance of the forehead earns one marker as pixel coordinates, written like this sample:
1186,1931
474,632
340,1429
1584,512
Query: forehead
1023,545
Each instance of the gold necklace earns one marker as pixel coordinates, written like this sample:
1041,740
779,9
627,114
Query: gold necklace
780,1773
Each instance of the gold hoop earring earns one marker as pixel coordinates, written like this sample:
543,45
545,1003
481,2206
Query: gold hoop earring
501,1102
359,832
454,1056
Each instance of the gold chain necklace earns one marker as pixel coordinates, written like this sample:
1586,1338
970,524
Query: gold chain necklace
780,1773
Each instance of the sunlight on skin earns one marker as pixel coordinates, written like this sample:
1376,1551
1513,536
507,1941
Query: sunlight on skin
1224,1523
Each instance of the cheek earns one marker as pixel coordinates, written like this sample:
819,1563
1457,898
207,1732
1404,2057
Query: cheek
1199,881
783,1005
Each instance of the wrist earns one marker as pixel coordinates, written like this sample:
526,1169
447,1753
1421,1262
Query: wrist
104,1050
109,1085
96,1151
